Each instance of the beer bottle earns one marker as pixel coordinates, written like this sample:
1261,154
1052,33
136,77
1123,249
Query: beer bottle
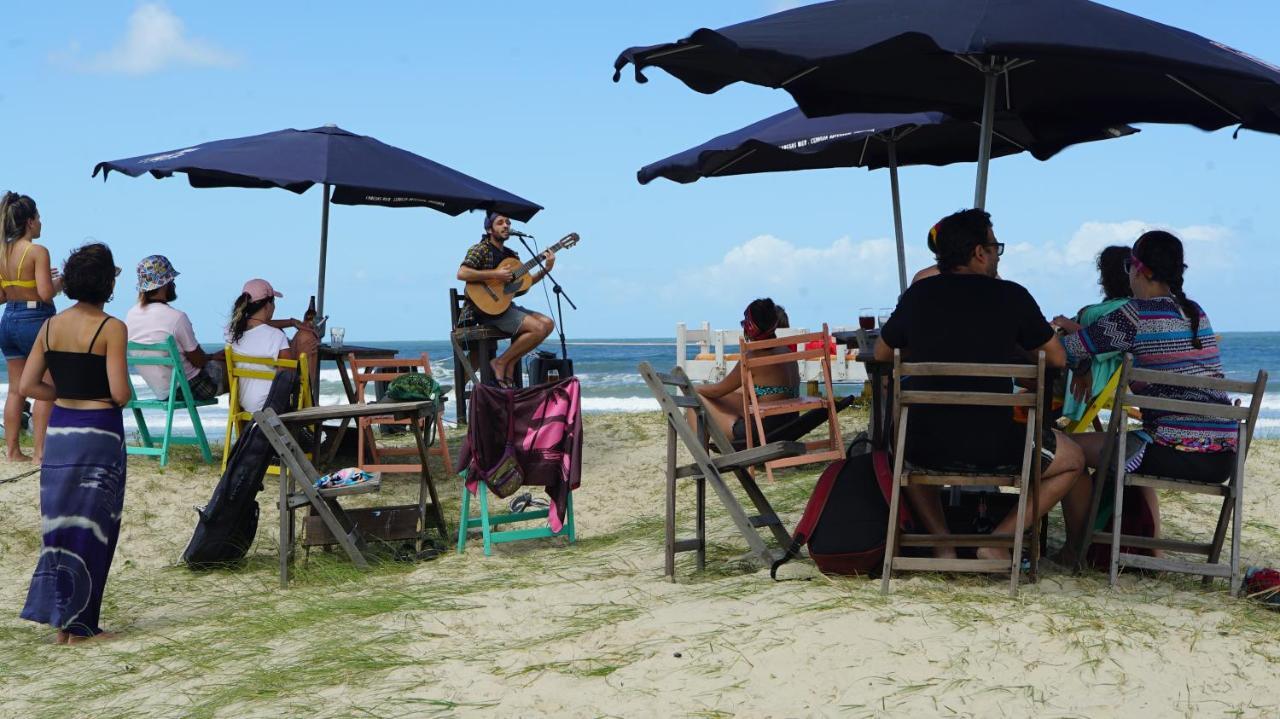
311,310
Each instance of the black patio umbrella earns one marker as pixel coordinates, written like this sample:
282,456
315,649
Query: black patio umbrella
359,169
1054,63
792,141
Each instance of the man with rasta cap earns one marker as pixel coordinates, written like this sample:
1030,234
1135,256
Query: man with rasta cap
527,328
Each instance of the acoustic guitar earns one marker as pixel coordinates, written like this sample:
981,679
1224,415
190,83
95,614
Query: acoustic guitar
493,297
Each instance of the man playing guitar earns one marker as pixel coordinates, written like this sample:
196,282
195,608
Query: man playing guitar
527,328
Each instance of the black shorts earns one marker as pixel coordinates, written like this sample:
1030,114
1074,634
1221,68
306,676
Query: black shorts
1160,460
1048,450
771,424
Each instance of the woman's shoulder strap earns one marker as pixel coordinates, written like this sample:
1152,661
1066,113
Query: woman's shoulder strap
93,341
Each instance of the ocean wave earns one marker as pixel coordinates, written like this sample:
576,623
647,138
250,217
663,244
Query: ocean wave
619,404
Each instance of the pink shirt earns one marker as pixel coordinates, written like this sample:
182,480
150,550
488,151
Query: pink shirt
154,323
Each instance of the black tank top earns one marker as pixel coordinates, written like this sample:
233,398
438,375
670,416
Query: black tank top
78,375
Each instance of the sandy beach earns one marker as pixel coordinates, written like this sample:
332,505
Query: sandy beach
544,628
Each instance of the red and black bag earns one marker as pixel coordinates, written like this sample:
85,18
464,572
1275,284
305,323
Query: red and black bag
845,521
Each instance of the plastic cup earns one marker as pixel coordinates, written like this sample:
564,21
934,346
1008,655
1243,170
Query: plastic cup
336,335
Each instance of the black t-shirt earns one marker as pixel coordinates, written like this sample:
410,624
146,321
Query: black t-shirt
965,318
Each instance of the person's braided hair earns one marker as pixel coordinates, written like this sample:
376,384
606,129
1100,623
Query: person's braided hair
1161,252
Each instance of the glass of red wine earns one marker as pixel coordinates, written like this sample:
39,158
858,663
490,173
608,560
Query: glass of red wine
867,318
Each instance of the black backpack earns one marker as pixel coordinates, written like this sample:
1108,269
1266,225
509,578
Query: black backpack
229,522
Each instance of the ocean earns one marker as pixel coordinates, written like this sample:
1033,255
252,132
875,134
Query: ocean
610,383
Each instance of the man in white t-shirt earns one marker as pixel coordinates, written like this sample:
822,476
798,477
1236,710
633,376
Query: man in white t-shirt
153,321
255,331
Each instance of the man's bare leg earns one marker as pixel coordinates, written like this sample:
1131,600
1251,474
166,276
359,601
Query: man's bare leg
1056,481
533,330
926,504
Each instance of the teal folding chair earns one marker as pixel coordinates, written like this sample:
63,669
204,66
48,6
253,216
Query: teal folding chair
180,398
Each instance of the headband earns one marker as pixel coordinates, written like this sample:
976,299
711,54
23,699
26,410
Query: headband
753,332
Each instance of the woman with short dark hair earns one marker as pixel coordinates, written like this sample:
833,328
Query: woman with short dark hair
83,475
1085,383
760,321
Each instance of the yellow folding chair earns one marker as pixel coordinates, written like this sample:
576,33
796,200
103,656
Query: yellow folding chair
263,368
1103,400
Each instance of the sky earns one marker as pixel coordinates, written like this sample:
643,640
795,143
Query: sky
519,94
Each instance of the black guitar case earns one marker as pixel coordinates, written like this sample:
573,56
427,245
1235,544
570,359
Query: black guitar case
229,522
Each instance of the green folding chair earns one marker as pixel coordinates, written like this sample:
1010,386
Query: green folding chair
180,398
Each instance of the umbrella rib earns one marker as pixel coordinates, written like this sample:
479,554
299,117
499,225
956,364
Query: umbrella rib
863,156
1203,96
797,76
672,51
734,161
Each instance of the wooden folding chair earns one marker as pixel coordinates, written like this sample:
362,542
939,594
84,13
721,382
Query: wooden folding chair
708,470
371,457
166,354
1027,480
755,355
263,368
1231,490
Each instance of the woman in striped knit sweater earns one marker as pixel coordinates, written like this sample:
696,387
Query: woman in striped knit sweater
1166,331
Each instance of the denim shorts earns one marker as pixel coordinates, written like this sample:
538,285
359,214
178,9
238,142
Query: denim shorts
20,325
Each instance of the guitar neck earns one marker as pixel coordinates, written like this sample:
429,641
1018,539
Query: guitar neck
526,267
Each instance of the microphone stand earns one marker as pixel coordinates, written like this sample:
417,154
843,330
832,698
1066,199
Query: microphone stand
559,291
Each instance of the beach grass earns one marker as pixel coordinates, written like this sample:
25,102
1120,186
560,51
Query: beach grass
593,628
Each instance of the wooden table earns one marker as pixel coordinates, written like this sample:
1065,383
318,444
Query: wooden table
298,476
881,424
339,356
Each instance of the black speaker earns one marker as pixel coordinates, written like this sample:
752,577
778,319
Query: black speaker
546,367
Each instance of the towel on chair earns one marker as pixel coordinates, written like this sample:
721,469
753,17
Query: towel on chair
548,437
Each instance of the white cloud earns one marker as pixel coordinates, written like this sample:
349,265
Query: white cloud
1089,240
774,262
155,40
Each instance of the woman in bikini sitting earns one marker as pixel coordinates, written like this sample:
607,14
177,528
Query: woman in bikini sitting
28,285
777,382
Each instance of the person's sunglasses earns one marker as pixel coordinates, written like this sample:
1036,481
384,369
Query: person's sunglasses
998,245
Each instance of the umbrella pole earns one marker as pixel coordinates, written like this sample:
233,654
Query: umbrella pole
984,142
324,251
897,215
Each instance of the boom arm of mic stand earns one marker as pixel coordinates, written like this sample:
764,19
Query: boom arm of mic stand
559,291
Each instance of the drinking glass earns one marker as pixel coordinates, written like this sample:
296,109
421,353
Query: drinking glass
883,315
867,318
336,335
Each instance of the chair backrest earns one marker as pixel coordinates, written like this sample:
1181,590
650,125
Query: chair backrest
264,368
364,371
1245,414
159,354
455,306
1033,402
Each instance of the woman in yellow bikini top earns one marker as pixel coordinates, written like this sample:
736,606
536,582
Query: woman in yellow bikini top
29,287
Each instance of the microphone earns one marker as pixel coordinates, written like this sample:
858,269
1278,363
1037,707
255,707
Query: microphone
518,233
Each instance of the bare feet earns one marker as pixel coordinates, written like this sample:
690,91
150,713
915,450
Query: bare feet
16,455
1000,553
99,637
61,637
500,373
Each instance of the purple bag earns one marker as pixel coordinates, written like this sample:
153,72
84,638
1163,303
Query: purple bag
506,476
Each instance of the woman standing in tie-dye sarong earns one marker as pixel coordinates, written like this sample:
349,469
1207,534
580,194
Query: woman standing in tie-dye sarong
82,477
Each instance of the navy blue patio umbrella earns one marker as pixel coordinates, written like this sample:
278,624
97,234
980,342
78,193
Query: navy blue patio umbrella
791,141
358,169
1051,62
